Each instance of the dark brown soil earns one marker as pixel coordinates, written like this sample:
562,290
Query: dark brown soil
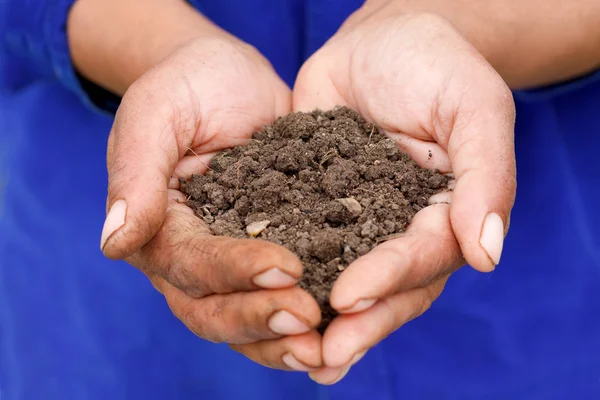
327,185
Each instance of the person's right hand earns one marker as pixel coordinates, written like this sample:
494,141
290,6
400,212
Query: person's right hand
208,95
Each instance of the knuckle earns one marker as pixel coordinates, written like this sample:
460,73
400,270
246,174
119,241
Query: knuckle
403,266
193,321
428,295
394,318
402,259
425,302
264,306
254,322
170,255
445,261
251,253
199,321
220,317
180,276
214,253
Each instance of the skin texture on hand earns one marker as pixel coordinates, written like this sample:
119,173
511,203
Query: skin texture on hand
190,90
519,38
210,94
419,80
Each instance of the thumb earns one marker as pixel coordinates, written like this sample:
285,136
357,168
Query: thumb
143,151
313,88
481,150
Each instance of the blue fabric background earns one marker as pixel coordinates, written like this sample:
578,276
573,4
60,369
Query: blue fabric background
76,326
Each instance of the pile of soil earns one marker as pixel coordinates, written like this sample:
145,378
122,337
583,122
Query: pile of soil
326,185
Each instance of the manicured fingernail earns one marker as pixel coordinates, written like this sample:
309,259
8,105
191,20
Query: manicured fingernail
293,363
284,323
492,237
441,198
274,279
114,220
357,357
359,306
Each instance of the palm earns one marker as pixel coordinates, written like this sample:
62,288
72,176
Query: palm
210,108
210,95
417,82
426,87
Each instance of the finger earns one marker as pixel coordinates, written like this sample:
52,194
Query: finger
329,375
188,166
192,164
426,154
427,251
174,183
243,317
350,335
143,150
177,201
481,148
441,198
332,375
186,255
291,353
313,89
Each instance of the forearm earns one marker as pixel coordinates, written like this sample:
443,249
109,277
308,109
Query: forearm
113,42
529,42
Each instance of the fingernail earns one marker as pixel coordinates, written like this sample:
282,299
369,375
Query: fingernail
284,323
174,183
329,375
492,237
441,198
342,375
114,220
357,357
359,306
293,363
274,279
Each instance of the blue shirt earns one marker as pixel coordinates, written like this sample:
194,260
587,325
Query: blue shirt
74,325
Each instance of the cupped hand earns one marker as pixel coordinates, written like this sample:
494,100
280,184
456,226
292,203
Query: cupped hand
419,80
211,94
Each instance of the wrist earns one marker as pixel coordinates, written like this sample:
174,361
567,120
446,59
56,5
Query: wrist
113,42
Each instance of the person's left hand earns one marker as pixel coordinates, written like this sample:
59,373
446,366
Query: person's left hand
419,80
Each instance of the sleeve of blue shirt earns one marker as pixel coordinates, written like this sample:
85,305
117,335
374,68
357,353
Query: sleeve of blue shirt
550,91
36,30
